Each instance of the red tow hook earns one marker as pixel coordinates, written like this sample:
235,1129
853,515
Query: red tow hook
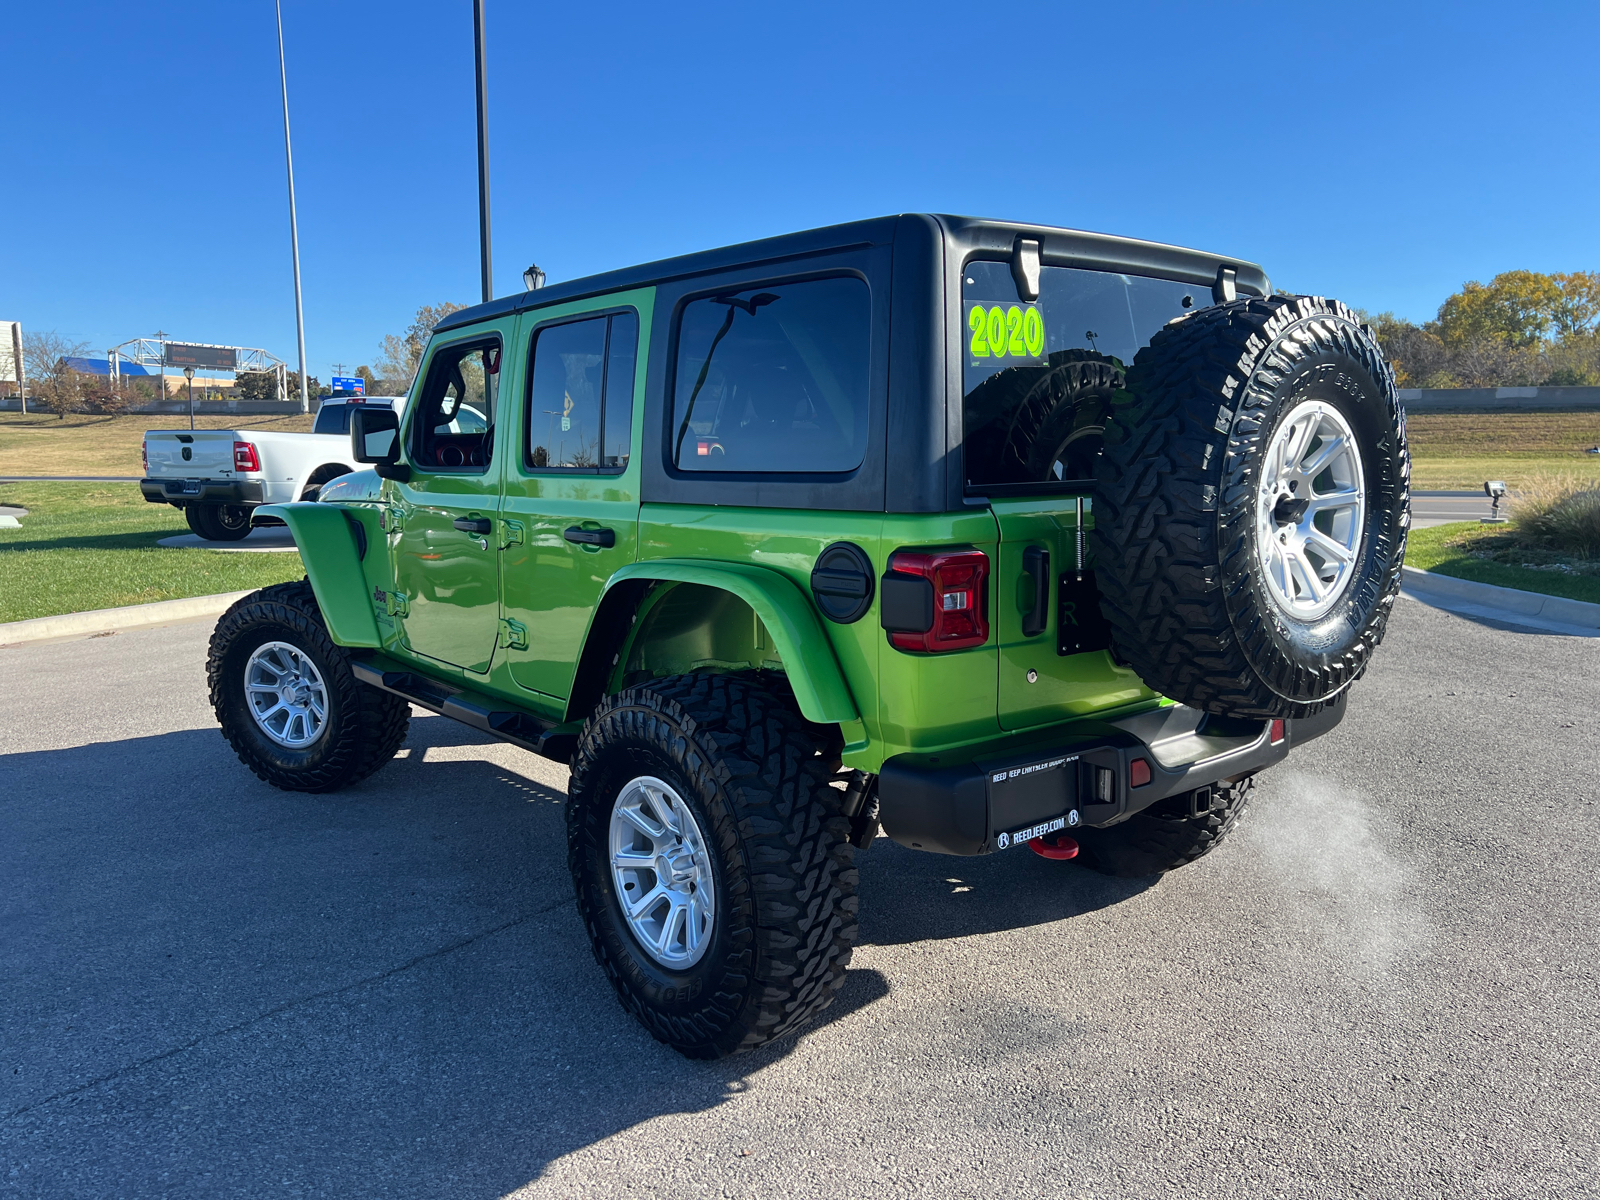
1057,845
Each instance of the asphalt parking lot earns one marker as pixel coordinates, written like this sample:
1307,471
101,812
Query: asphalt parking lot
1385,986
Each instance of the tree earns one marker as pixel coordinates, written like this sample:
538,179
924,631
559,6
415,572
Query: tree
1416,353
1518,306
400,355
52,381
111,396
1578,310
257,385
371,380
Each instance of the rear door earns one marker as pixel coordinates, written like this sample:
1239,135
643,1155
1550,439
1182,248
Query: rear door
446,552
571,508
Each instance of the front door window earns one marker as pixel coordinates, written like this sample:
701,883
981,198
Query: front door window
447,553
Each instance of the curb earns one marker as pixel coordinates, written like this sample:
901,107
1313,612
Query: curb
107,620
1553,614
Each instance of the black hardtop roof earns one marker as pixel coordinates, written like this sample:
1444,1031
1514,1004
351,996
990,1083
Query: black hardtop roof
1059,247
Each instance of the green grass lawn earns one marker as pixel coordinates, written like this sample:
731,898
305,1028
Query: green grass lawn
1458,451
1485,554
84,546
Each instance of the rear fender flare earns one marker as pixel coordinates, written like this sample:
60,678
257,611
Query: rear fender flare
332,557
813,670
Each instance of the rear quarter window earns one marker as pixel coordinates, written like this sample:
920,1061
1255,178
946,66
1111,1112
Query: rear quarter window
773,379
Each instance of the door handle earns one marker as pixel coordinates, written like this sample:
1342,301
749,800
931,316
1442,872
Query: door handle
474,525
1036,562
591,537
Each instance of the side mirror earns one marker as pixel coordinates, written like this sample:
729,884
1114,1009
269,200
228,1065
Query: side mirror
375,439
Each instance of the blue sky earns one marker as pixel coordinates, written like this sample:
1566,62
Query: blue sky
1378,153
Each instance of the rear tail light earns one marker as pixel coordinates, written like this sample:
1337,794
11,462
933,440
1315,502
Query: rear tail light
245,457
1276,735
1138,772
935,600
144,456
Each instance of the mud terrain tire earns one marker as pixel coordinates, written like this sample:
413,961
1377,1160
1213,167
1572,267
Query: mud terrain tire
364,727
1180,507
1164,837
780,853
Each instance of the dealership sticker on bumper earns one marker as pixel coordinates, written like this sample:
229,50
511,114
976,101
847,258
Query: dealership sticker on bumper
1031,769
1042,829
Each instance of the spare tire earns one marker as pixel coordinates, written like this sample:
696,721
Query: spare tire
1251,506
1041,422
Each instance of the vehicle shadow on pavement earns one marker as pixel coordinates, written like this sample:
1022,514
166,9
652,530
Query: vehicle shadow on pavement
909,896
214,987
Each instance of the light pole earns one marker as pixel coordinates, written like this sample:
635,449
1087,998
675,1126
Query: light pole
188,373
294,234
483,149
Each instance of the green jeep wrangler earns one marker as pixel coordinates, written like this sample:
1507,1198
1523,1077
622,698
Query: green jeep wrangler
976,533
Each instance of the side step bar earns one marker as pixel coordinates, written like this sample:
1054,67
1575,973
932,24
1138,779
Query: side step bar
545,738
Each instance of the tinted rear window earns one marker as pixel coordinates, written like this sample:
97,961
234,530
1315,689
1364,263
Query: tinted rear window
774,379
332,418
1038,377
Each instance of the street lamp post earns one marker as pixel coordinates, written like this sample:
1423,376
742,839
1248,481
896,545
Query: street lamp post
483,150
294,234
188,373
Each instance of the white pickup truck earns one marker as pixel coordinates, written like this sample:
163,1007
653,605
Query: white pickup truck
216,476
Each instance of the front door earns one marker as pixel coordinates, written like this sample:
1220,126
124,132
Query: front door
571,507
446,553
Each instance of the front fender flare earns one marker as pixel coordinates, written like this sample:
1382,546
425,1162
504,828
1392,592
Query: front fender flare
333,563
813,670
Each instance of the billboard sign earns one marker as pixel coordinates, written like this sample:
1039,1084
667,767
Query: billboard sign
11,352
214,358
349,385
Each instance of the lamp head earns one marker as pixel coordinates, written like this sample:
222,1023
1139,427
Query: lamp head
533,277
188,372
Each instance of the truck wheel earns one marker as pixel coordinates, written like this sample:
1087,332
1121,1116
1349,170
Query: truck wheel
287,702
1044,421
1164,836
219,522
713,869
1251,507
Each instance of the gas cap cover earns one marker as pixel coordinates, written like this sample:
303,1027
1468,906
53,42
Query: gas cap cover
843,582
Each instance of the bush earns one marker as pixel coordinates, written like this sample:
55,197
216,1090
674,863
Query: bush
1572,377
1562,514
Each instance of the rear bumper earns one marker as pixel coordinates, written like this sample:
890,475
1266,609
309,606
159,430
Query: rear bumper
203,491
1078,776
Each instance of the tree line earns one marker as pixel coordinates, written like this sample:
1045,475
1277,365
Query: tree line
1521,329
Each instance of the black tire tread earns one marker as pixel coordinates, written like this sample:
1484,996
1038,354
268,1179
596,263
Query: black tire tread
1164,838
1175,480
381,719
792,909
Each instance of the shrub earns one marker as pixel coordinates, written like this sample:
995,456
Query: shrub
1561,513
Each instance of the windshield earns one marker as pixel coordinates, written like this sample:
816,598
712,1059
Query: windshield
1038,377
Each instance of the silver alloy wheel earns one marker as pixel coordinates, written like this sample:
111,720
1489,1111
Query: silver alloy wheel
662,872
286,695
1311,510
